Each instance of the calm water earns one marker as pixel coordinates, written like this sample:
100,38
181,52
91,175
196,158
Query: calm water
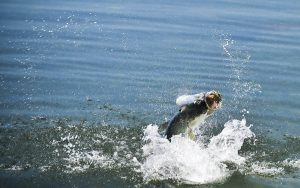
81,81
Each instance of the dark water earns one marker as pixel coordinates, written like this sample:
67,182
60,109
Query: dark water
80,81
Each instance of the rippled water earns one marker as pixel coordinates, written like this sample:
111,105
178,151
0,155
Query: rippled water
82,85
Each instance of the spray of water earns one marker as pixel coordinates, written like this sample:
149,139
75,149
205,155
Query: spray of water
243,89
192,162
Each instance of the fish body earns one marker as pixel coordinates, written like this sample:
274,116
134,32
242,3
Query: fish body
187,119
194,110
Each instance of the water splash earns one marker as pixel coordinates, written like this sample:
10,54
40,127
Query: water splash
266,169
183,160
242,85
102,149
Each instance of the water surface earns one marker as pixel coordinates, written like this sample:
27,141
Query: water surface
81,81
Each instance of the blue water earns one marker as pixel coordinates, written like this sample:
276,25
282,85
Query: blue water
123,63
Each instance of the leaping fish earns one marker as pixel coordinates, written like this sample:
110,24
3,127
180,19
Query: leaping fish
194,109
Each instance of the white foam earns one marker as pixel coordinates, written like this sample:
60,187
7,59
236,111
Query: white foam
81,161
266,169
44,168
15,168
190,162
226,145
78,158
294,163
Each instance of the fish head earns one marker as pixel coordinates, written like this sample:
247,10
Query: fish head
213,100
